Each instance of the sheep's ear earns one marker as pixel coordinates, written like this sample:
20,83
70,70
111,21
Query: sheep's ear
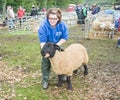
58,48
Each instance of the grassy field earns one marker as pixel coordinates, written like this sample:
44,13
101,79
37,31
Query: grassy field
20,66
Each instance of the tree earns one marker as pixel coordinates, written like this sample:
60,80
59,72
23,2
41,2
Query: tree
4,2
40,3
117,2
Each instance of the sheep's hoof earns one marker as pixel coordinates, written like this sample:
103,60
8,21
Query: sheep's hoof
75,72
85,72
69,88
59,84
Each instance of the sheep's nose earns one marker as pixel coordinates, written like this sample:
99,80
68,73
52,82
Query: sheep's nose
47,55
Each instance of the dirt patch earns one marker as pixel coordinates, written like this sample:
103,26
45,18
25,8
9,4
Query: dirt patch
104,83
11,75
8,78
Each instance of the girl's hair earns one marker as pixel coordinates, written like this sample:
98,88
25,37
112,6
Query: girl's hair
55,11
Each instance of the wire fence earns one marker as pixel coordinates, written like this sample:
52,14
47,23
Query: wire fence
31,24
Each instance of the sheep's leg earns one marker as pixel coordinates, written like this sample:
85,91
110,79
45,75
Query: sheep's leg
59,84
85,69
69,83
75,71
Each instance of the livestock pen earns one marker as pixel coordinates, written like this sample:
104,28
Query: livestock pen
95,25
103,25
32,23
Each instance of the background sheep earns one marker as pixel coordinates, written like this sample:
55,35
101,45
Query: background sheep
103,22
66,61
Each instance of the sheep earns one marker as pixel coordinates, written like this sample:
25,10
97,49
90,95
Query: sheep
103,23
65,62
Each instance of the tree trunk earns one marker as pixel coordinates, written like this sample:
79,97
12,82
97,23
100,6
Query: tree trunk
4,2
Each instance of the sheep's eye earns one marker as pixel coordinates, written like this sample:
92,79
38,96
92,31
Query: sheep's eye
42,52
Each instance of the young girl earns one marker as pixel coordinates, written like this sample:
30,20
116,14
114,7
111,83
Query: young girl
51,30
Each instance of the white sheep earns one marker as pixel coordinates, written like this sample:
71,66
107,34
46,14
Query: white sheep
103,23
66,61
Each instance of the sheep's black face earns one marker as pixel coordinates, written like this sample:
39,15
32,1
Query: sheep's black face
48,48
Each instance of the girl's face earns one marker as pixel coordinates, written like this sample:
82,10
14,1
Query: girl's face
53,19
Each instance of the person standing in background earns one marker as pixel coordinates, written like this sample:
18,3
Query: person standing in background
95,9
34,12
118,43
20,14
81,12
10,17
84,16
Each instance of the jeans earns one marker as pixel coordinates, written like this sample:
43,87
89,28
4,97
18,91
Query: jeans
11,23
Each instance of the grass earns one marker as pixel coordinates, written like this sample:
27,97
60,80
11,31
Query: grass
22,47
32,92
19,49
